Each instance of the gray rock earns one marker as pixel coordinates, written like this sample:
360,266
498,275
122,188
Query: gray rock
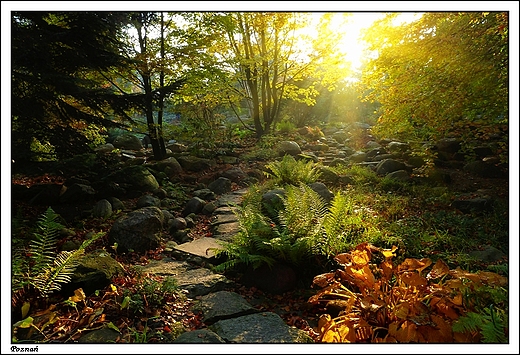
102,209
372,145
135,177
288,147
195,164
389,165
147,201
358,157
488,255
181,236
397,147
127,141
160,193
138,230
177,147
200,282
223,218
223,305
179,223
263,327
340,136
195,205
104,148
117,204
226,231
94,271
203,247
200,336
400,175
205,194
322,190
235,174
77,193
209,208
170,166
220,186
272,202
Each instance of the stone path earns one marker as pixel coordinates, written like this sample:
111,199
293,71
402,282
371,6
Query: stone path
228,316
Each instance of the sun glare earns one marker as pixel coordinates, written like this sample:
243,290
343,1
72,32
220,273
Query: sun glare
353,47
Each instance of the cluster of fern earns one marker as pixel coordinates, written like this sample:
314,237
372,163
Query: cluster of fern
289,171
38,266
306,228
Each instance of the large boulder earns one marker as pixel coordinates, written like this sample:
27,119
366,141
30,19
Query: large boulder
127,141
134,178
170,166
195,164
94,272
220,186
138,230
289,147
387,166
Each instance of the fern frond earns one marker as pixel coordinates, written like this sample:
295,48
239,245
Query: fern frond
42,248
468,323
303,213
60,273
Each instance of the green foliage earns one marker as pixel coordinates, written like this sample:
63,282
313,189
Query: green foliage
286,127
306,229
290,171
40,266
445,74
491,323
150,294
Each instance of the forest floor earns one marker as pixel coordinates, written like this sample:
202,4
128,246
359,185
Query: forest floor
155,325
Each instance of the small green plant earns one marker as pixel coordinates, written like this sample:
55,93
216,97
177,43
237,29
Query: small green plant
286,127
149,294
39,266
289,171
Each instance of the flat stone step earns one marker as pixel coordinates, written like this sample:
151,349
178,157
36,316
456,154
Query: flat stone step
226,231
200,247
224,218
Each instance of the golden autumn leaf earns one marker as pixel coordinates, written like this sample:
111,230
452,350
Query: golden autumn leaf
489,277
402,310
79,296
360,257
439,269
405,332
410,264
388,269
323,280
389,253
343,258
413,279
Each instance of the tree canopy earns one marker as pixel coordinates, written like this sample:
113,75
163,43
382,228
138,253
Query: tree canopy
445,74
56,98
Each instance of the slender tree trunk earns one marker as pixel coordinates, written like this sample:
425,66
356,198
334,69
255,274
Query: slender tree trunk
148,103
160,103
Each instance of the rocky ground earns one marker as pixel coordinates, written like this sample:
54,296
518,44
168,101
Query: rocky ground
199,214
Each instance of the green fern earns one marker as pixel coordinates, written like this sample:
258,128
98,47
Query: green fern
42,248
303,213
491,324
39,265
290,171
